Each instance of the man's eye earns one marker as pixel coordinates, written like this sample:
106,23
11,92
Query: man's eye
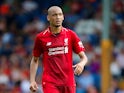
54,14
60,14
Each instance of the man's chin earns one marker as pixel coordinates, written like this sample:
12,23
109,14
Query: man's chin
57,25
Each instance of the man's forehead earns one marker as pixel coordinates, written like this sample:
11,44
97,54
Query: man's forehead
54,9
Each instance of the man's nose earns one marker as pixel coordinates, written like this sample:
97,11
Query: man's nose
58,16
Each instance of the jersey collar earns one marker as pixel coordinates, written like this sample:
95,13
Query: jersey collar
56,34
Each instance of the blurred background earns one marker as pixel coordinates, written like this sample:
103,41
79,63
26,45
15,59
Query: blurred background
21,20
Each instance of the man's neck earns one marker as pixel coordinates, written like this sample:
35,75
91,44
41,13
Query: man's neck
55,30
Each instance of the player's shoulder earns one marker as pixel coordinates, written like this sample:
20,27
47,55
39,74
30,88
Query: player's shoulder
68,30
43,33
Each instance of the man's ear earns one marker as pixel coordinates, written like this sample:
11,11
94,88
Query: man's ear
48,18
63,17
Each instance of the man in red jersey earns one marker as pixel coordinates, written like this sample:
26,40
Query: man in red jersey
57,44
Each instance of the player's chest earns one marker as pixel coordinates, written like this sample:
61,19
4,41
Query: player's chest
54,42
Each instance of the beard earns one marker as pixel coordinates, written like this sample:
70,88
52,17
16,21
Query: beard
57,26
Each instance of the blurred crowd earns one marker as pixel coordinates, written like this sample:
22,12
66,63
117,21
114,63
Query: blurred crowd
21,20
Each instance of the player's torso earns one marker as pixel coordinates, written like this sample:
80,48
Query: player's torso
57,56
57,47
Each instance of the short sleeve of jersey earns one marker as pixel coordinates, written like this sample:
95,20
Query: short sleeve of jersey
77,43
37,50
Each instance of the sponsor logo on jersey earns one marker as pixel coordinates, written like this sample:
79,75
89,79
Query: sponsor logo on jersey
48,43
58,50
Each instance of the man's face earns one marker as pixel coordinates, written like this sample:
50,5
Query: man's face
55,17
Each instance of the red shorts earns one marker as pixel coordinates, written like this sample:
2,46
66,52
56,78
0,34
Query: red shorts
50,88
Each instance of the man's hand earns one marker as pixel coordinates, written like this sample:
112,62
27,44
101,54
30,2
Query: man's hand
33,86
78,68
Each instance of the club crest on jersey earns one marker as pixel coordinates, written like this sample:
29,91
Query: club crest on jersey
66,41
48,43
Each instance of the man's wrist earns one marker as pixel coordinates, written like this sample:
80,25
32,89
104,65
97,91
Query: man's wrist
32,81
82,63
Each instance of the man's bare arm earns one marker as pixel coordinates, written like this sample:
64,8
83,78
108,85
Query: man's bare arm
83,58
80,66
33,70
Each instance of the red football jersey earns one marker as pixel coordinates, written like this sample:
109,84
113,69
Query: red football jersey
57,55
